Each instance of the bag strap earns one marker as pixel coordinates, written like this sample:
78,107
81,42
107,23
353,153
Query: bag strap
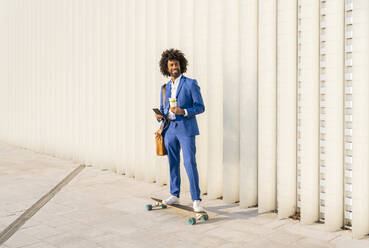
164,88
167,119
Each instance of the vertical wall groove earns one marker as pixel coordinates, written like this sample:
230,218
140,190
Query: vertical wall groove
348,115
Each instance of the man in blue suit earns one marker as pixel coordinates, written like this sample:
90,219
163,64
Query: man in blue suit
182,128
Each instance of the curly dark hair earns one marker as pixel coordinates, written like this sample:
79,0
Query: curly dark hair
172,54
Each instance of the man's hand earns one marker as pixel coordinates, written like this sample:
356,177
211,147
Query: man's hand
157,116
177,110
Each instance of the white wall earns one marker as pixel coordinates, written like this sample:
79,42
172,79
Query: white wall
284,84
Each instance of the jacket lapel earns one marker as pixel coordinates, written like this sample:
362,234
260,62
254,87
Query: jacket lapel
168,93
180,85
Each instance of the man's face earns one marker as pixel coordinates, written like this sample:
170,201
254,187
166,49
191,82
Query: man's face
174,68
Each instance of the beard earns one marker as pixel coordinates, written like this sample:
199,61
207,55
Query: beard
176,73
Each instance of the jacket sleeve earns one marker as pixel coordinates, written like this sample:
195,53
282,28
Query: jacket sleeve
198,103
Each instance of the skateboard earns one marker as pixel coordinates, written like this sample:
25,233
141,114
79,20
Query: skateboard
196,216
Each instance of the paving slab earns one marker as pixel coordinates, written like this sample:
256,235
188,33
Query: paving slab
25,176
104,209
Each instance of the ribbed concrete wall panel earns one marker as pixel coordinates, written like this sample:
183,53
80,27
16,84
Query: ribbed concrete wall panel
286,107
360,121
309,111
130,92
140,84
214,105
161,32
248,102
231,103
267,106
151,91
200,13
332,23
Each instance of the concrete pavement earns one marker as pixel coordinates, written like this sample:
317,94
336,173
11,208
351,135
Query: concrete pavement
104,209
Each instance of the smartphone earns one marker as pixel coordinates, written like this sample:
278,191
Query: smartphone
157,111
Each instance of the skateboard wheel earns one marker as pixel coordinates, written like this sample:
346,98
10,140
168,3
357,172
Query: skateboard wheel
163,206
192,221
205,217
148,207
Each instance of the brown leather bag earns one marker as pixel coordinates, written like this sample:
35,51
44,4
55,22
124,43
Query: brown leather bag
159,139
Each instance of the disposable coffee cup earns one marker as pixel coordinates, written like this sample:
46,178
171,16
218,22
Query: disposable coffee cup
173,102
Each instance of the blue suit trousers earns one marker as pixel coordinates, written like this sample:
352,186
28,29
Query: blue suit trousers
173,144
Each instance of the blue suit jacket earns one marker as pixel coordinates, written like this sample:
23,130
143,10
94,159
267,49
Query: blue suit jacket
189,98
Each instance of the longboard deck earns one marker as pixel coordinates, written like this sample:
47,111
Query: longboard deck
196,215
178,206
